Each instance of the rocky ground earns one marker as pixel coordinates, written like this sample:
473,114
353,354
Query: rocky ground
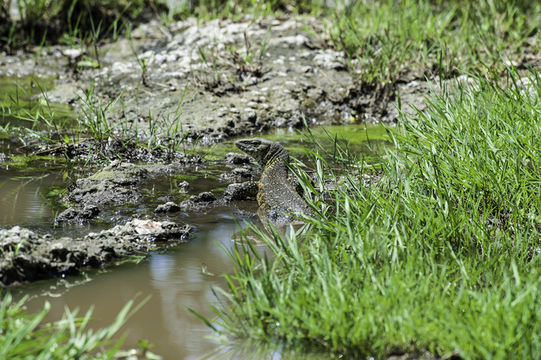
27,256
217,79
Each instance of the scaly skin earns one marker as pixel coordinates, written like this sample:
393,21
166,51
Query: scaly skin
276,196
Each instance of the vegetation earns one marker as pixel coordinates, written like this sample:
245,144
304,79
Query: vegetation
28,336
34,117
441,254
69,21
385,38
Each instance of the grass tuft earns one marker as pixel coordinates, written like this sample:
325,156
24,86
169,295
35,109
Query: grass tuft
386,38
27,336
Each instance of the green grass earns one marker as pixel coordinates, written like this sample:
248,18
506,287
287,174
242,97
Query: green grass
24,114
442,254
28,336
27,112
385,38
43,22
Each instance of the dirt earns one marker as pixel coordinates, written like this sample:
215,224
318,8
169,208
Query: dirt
215,80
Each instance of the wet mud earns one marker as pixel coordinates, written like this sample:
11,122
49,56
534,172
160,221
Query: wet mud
215,80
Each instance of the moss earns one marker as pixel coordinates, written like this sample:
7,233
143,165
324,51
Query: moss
363,139
184,177
215,152
26,162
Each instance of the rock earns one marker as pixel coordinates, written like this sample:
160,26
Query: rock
26,256
249,116
168,207
330,59
241,174
148,230
184,186
200,202
113,184
206,196
78,214
118,183
237,159
17,238
241,191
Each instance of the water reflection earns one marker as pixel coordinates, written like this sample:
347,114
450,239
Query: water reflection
21,198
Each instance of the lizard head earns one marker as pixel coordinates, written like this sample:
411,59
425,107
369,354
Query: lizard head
262,150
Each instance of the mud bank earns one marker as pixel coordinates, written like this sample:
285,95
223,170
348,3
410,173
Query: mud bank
114,185
28,256
216,80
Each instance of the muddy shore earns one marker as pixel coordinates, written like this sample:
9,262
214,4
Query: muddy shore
218,79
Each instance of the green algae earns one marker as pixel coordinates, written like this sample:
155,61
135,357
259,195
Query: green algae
215,152
362,139
183,177
32,162
358,138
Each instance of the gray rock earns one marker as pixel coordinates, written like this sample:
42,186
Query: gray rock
203,197
241,191
200,202
118,183
184,186
241,174
78,214
237,159
168,207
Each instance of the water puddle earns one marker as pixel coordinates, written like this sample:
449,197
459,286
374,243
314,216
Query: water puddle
176,279
24,104
30,192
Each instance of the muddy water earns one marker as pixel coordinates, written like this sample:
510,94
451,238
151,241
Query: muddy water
176,279
21,199
173,279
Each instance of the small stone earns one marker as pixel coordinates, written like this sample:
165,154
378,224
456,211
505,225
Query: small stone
168,207
183,186
241,191
249,115
329,60
237,159
77,213
72,53
206,196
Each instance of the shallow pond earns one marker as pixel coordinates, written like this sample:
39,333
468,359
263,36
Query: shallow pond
174,279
